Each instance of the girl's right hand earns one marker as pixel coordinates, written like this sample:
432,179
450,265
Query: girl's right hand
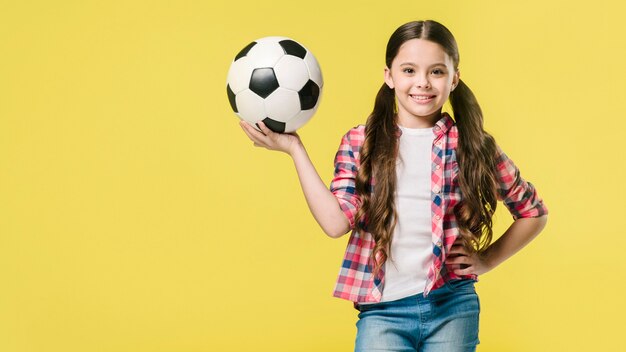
284,142
322,202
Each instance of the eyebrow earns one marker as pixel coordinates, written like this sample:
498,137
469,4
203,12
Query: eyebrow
412,64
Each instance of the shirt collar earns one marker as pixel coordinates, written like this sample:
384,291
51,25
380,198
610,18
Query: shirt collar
443,125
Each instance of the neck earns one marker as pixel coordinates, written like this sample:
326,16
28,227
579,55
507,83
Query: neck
412,121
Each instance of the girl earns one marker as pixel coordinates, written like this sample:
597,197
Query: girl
418,190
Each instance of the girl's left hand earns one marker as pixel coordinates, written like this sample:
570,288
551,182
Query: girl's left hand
461,262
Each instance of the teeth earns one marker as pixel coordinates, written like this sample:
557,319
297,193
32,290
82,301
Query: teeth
421,97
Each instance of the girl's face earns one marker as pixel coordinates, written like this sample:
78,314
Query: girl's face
422,75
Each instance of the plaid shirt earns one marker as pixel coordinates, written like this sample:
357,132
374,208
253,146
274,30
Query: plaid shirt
356,281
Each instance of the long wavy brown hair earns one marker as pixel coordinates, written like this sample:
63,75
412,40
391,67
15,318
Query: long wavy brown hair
476,156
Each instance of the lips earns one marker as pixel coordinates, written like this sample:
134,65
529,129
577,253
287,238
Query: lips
422,98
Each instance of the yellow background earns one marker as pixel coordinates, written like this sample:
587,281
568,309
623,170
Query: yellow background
136,216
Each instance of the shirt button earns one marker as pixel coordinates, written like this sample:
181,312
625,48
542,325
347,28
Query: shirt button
437,217
438,143
437,190
439,244
437,167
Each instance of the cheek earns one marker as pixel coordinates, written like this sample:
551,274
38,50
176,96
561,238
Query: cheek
403,87
446,88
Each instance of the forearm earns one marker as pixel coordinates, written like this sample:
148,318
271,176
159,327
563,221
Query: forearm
322,203
516,237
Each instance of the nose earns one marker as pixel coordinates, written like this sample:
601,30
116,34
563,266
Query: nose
421,81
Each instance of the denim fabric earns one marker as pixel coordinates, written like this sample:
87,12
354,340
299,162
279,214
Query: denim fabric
446,320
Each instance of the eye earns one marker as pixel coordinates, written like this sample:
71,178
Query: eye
408,70
438,71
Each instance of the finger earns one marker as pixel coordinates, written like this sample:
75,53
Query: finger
459,260
266,131
467,271
261,125
271,138
253,134
248,127
458,249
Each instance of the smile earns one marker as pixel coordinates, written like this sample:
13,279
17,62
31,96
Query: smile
422,98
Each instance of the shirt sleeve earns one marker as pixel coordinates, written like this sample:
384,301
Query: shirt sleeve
343,185
519,196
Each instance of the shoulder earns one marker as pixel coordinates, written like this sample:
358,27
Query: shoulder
356,132
355,136
500,155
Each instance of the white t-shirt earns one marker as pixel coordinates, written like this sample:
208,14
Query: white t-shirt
411,245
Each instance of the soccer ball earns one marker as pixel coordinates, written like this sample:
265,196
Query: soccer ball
275,80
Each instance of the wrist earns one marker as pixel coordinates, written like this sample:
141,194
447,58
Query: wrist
488,259
296,149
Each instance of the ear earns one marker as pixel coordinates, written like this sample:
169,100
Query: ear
455,79
388,78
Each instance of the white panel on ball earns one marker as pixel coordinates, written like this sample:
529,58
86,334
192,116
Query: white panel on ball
282,104
291,72
265,55
299,121
239,75
251,106
314,69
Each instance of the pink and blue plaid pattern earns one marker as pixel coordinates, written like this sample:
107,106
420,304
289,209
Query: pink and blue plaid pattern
356,281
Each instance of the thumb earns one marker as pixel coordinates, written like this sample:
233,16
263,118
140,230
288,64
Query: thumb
262,127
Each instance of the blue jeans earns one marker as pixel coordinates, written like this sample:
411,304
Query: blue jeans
446,321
